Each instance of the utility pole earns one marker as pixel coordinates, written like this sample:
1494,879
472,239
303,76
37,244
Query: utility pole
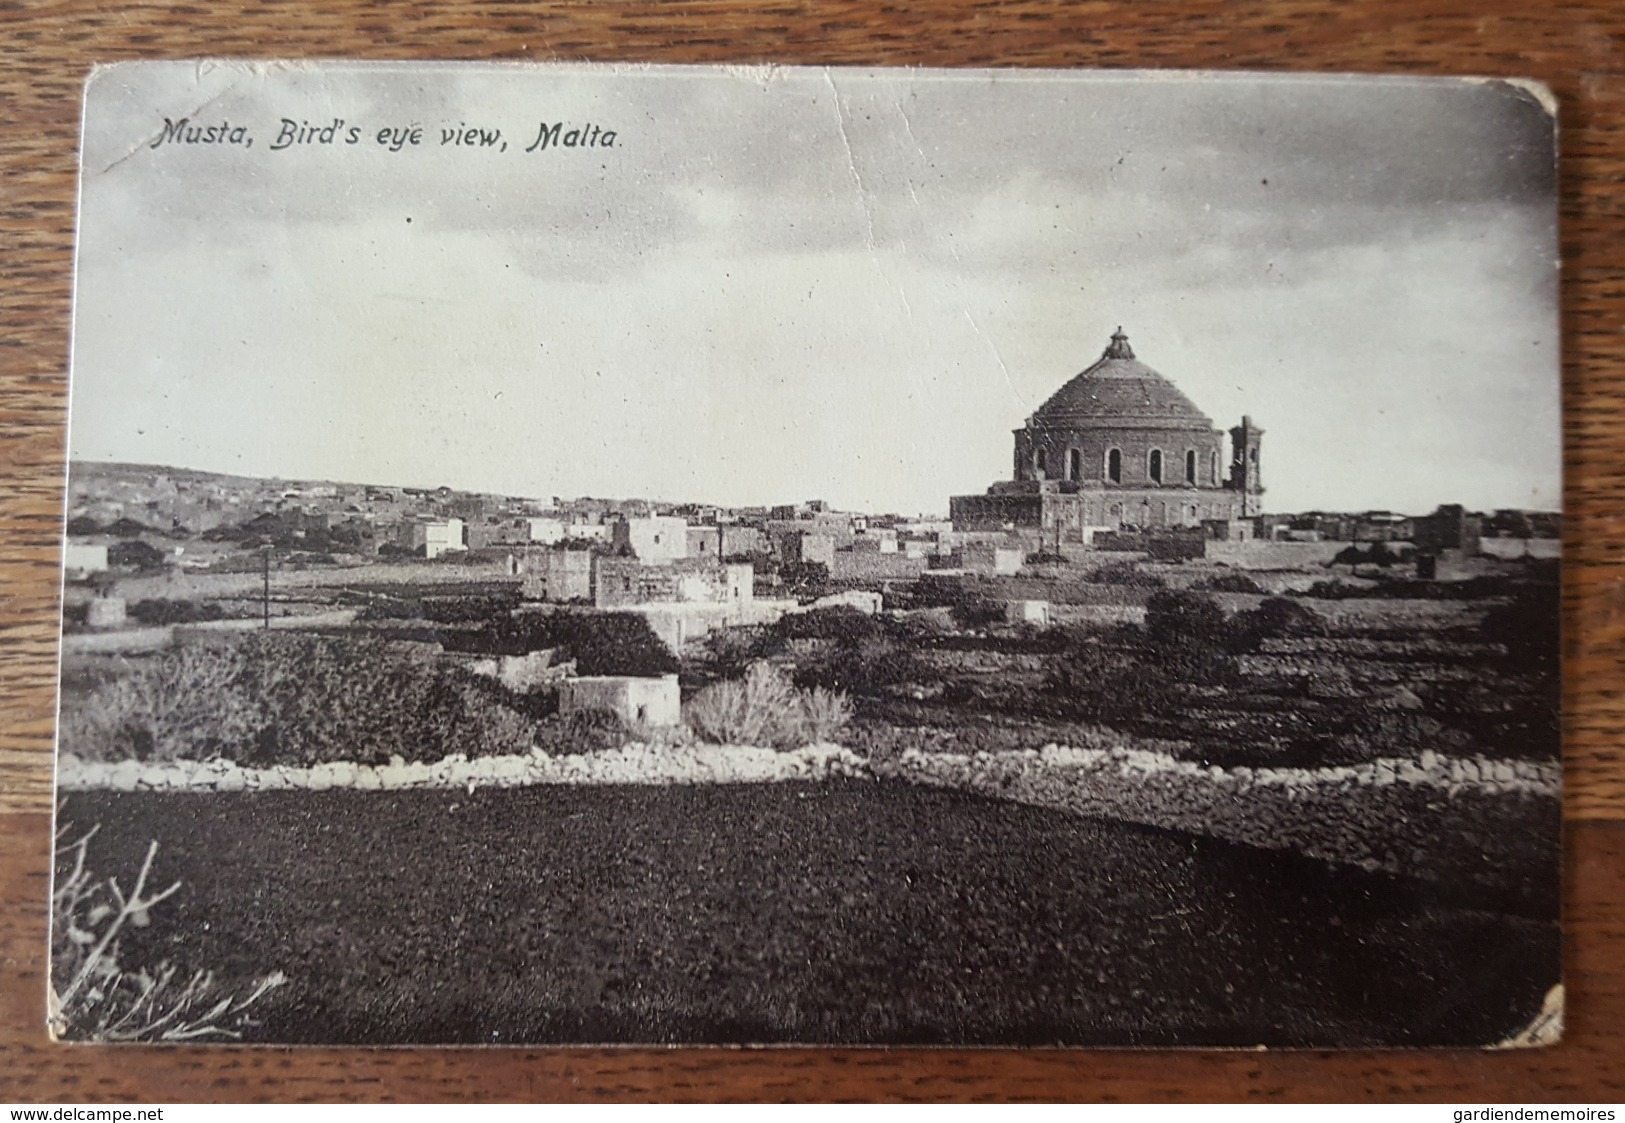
265,596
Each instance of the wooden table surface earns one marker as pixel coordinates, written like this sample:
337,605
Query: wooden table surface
1578,48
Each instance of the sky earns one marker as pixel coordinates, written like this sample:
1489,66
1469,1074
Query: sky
793,283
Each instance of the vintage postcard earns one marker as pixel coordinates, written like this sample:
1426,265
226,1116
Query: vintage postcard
579,554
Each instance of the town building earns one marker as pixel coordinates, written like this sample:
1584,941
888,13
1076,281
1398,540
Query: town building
626,582
800,547
556,574
1450,527
1118,447
433,537
636,700
81,559
652,538
683,599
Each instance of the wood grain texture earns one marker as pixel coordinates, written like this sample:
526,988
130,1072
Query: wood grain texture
1578,48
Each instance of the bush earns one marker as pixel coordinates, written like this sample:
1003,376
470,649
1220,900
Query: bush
826,713
759,709
1126,573
730,651
805,580
1181,621
585,731
137,555
189,703
765,709
923,625
93,998
1379,734
1275,618
601,643
972,612
842,622
1379,553
1227,583
296,700
469,609
1134,675
1530,626
1335,590
159,612
1094,682
393,608
868,666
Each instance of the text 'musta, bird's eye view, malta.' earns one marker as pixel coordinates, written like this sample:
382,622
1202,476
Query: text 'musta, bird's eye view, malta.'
586,554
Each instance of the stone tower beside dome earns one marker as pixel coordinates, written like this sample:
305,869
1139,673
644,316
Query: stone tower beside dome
1119,447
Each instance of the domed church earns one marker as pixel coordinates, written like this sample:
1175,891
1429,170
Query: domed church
1119,447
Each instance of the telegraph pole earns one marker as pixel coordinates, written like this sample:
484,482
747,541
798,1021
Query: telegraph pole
265,595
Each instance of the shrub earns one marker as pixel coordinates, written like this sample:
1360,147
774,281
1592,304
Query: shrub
1227,583
825,712
159,612
135,554
1530,626
187,703
730,651
1335,590
841,622
126,527
764,709
469,609
922,625
601,643
1378,553
759,709
1176,620
293,699
1377,734
1126,573
1132,675
585,731
1094,682
971,611
805,580
868,666
393,608
1273,619
92,998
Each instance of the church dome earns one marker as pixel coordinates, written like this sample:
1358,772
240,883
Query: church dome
1119,392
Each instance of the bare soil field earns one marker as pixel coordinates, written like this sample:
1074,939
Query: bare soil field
849,912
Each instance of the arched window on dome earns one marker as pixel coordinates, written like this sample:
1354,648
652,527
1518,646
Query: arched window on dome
1153,465
1114,465
1040,463
1213,468
1074,465
1190,465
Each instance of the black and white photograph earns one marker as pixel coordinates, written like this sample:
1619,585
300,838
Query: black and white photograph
582,554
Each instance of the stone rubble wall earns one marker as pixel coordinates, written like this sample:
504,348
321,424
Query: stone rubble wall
1437,816
631,764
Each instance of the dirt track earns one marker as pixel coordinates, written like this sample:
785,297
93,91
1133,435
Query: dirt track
844,911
